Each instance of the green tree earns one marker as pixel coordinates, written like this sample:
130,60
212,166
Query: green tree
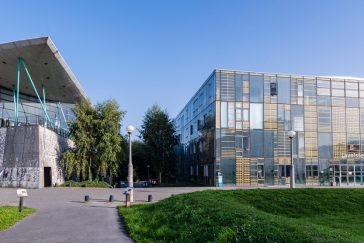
109,140
82,132
140,160
98,149
159,136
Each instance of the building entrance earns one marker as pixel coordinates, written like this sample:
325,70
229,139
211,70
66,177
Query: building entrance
348,174
47,176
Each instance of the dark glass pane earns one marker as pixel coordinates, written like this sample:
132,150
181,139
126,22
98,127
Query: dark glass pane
227,168
239,87
268,144
256,143
325,145
269,171
256,88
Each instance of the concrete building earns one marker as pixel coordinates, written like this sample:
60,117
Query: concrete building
37,93
237,125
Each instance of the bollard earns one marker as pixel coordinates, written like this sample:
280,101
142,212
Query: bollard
87,198
127,200
111,198
150,198
20,204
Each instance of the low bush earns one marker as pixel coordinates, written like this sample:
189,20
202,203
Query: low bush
97,184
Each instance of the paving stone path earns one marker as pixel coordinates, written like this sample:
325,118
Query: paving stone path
63,216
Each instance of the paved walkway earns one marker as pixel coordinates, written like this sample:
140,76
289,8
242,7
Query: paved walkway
63,216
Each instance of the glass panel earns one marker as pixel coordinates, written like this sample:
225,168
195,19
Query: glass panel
324,100
325,145
268,144
352,102
297,117
256,88
224,119
337,85
338,92
284,88
256,116
351,93
338,101
246,114
231,115
227,167
256,148
238,87
324,118
351,85
269,171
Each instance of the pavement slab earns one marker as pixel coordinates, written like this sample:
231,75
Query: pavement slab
63,216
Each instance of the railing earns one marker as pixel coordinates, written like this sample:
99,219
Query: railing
42,122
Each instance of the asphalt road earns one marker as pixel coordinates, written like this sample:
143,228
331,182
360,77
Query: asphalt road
63,216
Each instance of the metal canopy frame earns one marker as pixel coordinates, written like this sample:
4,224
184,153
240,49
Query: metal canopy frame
21,64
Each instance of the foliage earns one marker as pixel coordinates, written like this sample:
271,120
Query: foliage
140,160
159,136
97,184
281,215
98,143
10,215
108,136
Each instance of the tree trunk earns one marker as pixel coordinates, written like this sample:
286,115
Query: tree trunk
89,171
160,177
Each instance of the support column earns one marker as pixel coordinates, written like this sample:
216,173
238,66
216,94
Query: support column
64,117
44,99
35,90
17,93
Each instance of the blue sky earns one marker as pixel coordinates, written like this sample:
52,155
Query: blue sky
147,52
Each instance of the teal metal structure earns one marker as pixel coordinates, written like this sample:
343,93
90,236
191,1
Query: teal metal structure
44,101
17,93
20,63
64,117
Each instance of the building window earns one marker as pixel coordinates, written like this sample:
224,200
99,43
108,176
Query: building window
257,144
284,90
256,88
231,114
324,145
323,87
256,116
297,117
224,117
238,87
273,89
191,129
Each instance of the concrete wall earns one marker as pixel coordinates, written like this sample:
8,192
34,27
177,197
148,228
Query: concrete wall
51,147
25,151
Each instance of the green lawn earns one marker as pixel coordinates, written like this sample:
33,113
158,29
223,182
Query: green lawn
282,215
10,215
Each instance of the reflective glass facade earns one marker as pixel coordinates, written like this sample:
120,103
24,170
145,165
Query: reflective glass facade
237,124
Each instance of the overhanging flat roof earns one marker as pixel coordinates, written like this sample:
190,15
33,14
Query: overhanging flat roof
46,67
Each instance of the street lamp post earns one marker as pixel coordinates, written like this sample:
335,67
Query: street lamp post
291,135
130,130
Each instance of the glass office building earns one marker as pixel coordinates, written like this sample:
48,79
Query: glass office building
238,123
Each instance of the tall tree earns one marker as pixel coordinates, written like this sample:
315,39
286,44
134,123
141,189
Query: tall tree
159,136
108,137
98,143
82,132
